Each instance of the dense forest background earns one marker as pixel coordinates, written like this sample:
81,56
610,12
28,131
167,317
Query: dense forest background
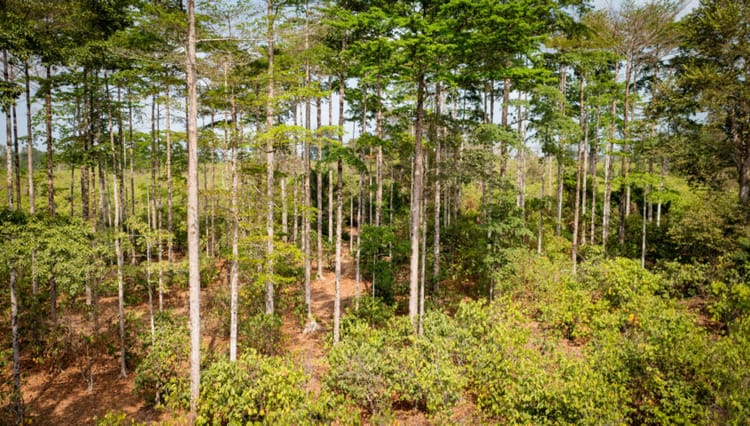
370,212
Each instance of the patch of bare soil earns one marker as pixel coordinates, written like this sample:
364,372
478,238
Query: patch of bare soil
307,347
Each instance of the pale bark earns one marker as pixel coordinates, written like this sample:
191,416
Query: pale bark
339,220
168,167
540,227
235,272
416,204
579,175
319,194
270,163
8,137
436,224
193,230
379,157
48,124
17,396
118,249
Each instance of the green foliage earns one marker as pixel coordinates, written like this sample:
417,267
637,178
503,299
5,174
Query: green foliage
619,280
262,332
380,368
731,301
375,242
253,389
659,357
730,376
516,380
161,376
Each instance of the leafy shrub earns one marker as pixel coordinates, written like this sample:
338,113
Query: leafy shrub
252,389
161,374
380,368
262,332
659,356
619,280
684,280
371,311
731,301
515,381
730,358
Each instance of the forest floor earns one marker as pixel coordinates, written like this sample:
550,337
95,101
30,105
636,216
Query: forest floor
61,397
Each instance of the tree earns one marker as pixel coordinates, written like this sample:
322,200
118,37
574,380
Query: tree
714,71
192,213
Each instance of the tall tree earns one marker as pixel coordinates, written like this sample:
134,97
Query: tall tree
193,221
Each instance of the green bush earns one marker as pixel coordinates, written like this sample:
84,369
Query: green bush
382,368
517,381
262,332
730,373
619,280
161,376
660,357
252,389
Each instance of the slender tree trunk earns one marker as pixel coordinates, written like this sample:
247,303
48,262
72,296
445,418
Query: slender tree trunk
625,187
306,185
48,123
284,208
579,176
592,171
504,122
436,224
168,167
193,224
416,205
319,196
339,220
379,156
17,396
30,141
330,205
270,163
16,155
423,260
521,160
360,190
540,227
661,188
643,235
235,268
8,136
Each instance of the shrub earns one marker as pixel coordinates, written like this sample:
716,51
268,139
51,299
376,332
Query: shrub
161,375
659,356
513,380
380,368
252,389
619,280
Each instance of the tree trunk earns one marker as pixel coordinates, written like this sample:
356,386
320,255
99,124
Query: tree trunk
306,189
579,177
339,220
17,156
48,123
8,136
270,163
359,239
625,187
17,396
540,227
319,196
168,167
379,157
416,206
235,272
521,160
436,224
193,230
